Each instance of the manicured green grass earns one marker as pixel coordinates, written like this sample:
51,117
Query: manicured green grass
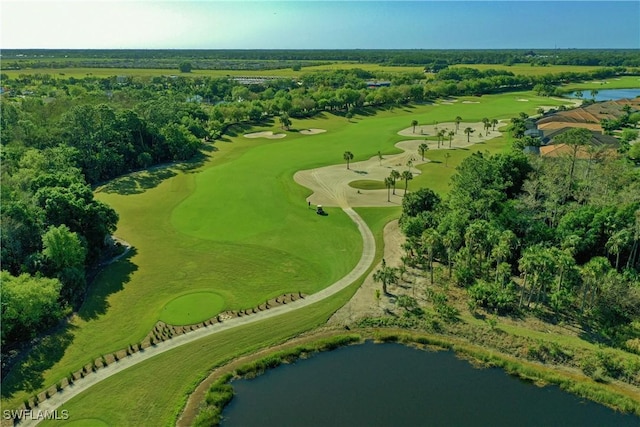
437,173
532,70
238,226
192,308
367,184
82,72
625,82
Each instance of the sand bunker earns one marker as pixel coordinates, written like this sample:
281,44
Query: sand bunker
471,102
522,100
312,131
330,184
266,134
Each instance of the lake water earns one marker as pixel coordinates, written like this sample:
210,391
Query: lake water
609,94
395,385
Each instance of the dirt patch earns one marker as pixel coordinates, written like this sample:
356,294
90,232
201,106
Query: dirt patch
364,302
312,131
266,134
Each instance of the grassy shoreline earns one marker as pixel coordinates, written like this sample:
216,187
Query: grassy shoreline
221,392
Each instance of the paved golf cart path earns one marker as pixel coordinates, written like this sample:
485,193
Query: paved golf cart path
83,384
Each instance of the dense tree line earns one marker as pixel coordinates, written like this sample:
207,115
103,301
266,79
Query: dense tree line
557,237
53,231
278,58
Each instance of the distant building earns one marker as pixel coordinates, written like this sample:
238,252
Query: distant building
600,145
588,117
254,80
376,84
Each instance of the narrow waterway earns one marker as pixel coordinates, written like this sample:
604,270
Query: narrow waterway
395,385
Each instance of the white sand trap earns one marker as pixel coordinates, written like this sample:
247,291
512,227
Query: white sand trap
471,102
266,134
312,131
522,100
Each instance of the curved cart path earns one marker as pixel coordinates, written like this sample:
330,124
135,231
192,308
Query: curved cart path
83,384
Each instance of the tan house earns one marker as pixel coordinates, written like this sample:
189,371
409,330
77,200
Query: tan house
600,146
588,117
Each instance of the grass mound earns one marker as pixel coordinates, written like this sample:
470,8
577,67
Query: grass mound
192,308
367,184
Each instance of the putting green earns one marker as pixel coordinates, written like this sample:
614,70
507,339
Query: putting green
192,308
367,184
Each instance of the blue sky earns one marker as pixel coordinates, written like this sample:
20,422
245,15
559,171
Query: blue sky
267,24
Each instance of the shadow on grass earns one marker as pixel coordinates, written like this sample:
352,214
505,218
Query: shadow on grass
137,182
141,181
238,129
26,374
198,160
109,281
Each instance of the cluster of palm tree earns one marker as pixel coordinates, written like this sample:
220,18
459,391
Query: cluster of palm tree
387,276
394,176
442,133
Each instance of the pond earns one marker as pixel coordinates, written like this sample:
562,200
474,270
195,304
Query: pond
395,385
608,94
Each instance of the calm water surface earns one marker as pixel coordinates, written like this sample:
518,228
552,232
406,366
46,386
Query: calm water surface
395,385
609,94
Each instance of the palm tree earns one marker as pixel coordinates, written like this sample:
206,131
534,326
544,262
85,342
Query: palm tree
579,94
380,157
348,156
494,122
594,93
430,239
423,148
446,159
501,251
414,123
592,273
407,176
617,242
388,182
395,175
485,122
450,134
468,131
441,134
449,240
458,120
386,276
